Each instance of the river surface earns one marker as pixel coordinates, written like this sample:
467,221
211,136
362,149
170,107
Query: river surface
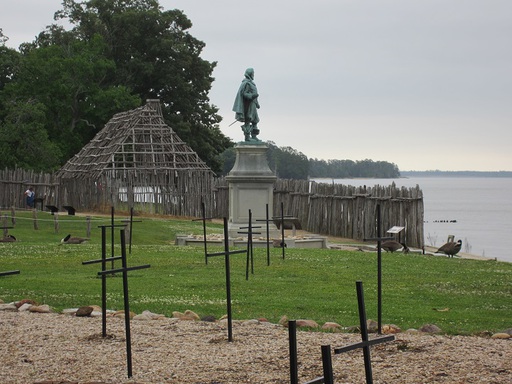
477,210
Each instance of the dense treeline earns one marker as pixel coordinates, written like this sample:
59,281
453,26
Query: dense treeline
58,91
288,163
438,173
340,169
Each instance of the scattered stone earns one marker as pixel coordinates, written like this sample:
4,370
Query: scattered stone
25,307
192,314
96,308
388,329
209,318
40,308
120,314
148,315
177,314
307,323
501,336
8,307
372,326
84,311
185,316
430,328
69,311
143,316
331,326
24,301
96,311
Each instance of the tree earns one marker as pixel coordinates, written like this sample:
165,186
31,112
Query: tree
155,57
228,158
9,63
24,141
287,163
68,78
292,164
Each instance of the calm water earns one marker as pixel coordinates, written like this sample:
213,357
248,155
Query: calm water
482,207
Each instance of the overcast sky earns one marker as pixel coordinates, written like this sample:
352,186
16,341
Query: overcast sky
425,84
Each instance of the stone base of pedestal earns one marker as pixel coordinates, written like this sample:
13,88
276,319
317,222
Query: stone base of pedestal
251,188
313,241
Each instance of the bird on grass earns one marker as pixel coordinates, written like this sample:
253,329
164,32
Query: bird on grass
73,240
451,248
8,239
392,246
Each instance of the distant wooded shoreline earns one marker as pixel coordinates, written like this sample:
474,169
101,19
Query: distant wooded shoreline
455,173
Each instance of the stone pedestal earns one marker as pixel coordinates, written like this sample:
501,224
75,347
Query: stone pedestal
251,186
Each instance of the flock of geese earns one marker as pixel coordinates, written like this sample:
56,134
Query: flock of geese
450,249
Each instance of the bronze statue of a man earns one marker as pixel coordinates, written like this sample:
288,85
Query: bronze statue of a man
246,106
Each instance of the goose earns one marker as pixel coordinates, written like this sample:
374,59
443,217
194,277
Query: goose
392,246
451,248
8,239
73,240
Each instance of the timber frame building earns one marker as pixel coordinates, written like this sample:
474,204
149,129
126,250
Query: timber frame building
137,161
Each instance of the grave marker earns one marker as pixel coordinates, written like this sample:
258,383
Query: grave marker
365,344
203,219
281,220
267,220
226,255
125,269
379,239
250,248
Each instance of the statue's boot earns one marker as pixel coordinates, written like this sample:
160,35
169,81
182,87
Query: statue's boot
254,133
246,128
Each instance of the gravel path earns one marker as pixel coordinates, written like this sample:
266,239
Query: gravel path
57,348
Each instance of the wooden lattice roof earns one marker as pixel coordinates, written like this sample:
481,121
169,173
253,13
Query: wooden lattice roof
137,142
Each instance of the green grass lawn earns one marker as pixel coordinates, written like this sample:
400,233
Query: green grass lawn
318,284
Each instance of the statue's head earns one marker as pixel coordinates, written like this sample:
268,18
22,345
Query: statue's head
249,73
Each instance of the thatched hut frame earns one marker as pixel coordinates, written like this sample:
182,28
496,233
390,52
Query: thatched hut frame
137,161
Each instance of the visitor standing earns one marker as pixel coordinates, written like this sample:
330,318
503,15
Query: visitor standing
30,197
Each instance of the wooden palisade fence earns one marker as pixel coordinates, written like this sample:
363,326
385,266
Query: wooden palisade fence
344,210
326,209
